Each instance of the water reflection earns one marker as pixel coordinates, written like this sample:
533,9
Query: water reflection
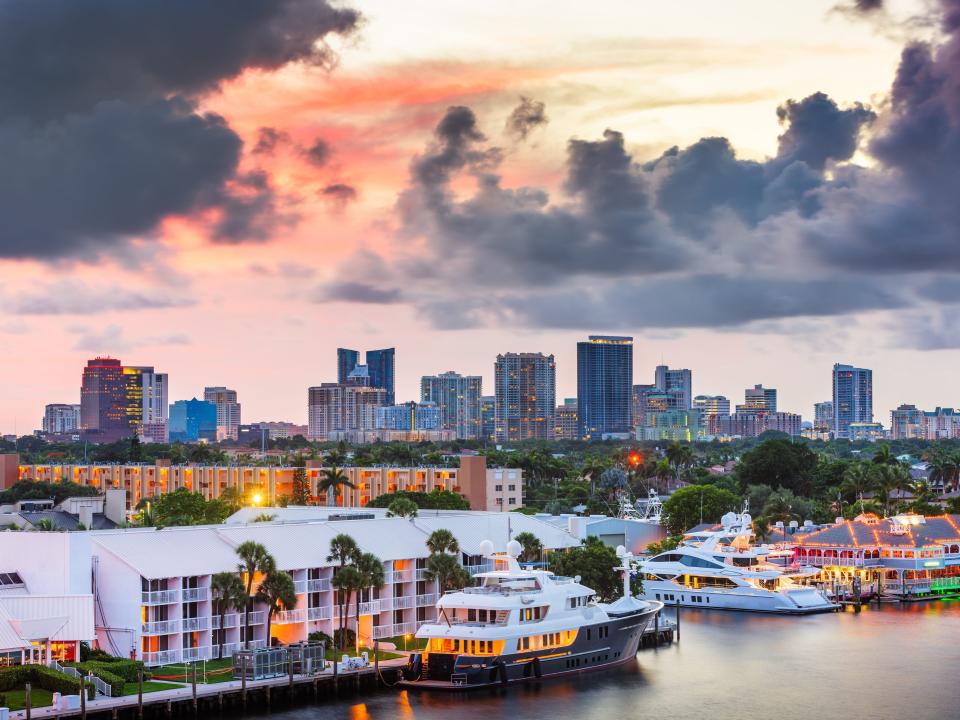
882,663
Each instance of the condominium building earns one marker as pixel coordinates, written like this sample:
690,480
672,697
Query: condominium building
941,424
677,383
823,417
671,425
409,416
228,411
458,397
332,408
525,386
758,400
488,418
379,368
906,422
61,419
852,398
565,426
639,400
605,386
711,406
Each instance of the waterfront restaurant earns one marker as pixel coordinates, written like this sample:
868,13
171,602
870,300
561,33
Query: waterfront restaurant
907,556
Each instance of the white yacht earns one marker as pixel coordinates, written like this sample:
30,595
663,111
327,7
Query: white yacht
521,624
644,511
723,570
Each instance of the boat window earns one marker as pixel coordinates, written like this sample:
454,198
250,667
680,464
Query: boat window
667,557
693,561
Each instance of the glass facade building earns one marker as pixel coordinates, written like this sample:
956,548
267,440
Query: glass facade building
525,385
604,386
380,367
192,420
852,398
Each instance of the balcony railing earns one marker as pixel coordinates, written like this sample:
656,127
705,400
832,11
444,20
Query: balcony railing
161,627
230,620
197,653
287,617
404,602
427,599
196,594
196,624
319,613
386,603
164,657
228,650
300,586
385,631
370,608
421,574
160,597
321,585
402,576
258,617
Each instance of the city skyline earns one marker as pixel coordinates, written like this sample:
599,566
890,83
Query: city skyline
305,219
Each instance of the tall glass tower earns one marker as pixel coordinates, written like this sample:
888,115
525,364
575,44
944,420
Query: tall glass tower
604,385
852,398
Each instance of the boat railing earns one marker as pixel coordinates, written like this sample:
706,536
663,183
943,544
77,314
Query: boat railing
497,590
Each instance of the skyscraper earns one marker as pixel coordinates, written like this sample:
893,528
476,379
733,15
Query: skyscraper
906,422
488,418
228,411
852,398
192,420
339,407
565,426
147,405
604,386
409,416
525,385
59,418
758,400
103,400
458,397
823,416
675,382
380,367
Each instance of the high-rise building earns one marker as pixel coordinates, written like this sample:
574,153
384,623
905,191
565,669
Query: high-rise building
852,398
147,402
340,408
758,400
906,422
488,418
677,383
941,424
103,400
604,386
525,386
379,364
823,417
458,397
228,411
672,426
711,409
59,418
192,420
565,426
639,396
409,416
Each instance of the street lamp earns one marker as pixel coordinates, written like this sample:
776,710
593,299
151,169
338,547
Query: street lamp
405,638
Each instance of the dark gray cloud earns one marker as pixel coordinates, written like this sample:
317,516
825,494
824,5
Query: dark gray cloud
99,129
357,292
526,117
318,153
75,298
268,140
339,194
818,130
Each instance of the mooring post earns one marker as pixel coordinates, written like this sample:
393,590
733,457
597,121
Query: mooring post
193,683
656,629
678,621
335,680
27,697
376,662
140,694
243,681
290,670
83,698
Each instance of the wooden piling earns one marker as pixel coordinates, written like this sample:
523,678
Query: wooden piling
243,681
27,699
677,633
140,695
83,698
376,662
193,683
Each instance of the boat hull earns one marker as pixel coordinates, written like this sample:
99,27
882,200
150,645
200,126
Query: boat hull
793,602
590,651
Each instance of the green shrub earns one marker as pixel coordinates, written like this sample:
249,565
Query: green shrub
14,678
349,635
3,700
320,637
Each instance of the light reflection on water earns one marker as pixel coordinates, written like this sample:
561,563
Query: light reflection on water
882,663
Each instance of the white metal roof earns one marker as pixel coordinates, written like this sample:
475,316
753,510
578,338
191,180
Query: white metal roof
59,617
9,637
171,552
473,528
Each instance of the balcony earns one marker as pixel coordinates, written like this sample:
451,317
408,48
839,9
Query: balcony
402,576
230,620
160,597
404,602
300,586
196,594
319,613
228,650
428,599
196,624
257,617
164,657
160,627
321,585
288,617
421,574
370,608
197,653
384,631
386,603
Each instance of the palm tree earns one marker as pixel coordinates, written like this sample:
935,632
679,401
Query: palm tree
664,471
45,525
446,571
333,479
254,559
532,547
346,580
856,480
343,550
226,591
402,507
761,528
778,507
277,590
442,541
885,480
372,575
883,456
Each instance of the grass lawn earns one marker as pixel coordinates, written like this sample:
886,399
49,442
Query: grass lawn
216,671
148,687
38,698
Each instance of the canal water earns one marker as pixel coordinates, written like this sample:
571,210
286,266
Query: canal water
882,663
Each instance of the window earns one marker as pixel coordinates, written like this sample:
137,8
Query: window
512,501
498,488
511,488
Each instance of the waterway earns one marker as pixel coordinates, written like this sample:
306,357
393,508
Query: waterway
893,662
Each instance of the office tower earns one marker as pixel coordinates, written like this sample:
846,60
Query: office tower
525,385
59,418
458,397
337,407
409,416
192,420
360,375
671,426
380,364
565,426
823,417
675,382
380,368
639,396
604,386
906,422
758,400
147,401
228,411
103,400
852,398
712,408
488,418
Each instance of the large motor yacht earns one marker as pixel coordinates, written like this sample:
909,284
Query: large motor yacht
723,570
522,624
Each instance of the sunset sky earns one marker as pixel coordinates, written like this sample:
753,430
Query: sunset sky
230,191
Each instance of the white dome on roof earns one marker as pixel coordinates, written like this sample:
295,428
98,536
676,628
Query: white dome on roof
514,548
486,548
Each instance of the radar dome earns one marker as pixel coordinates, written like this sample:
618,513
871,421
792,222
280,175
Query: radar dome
514,548
486,548
621,551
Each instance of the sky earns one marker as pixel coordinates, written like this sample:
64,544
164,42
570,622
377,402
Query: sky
230,191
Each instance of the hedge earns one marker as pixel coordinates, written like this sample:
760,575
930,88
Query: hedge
127,670
14,678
